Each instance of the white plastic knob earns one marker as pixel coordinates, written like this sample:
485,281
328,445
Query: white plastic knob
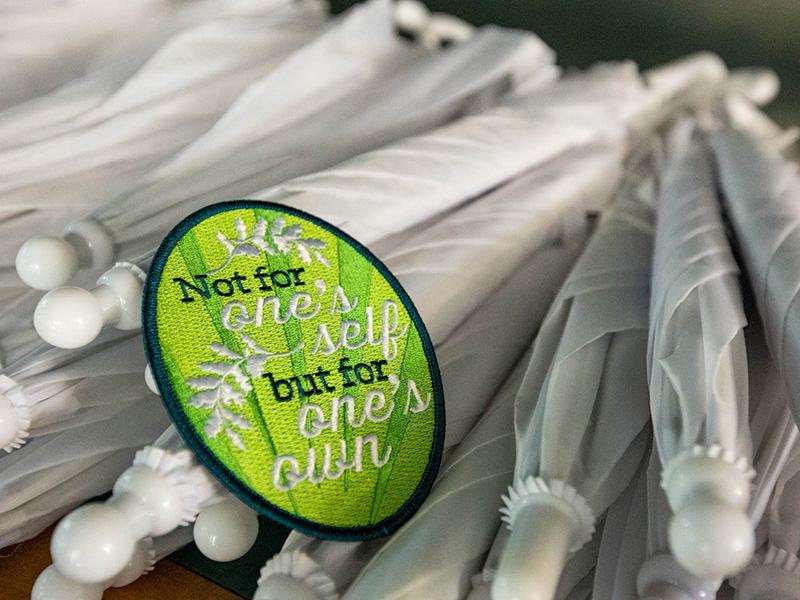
8,422
760,86
68,317
159,502
712,540
226,531
536,552
45,263
283,587
52,585
710,534
411,15
71,317
442,28
92,544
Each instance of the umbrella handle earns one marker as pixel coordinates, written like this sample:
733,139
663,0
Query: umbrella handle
71,317
46,262
542,534
710,533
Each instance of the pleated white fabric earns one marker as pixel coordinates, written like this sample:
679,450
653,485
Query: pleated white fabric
698,365
760,191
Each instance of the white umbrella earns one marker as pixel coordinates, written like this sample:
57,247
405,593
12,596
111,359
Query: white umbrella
623,543
259,142
43,44
698,369
760,192
582,407
52,584
54,473
161,108
474,361
775,572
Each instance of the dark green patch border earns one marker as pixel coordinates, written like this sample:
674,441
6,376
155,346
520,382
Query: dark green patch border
209,459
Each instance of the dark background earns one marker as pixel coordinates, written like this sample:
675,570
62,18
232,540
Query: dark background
582,32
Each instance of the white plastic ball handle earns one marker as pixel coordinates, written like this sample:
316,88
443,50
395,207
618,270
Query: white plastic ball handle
225,531
71,317
662,578
710,534
52,585
536,551
96,542
46,262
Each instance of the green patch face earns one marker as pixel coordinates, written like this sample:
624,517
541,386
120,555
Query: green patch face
296,367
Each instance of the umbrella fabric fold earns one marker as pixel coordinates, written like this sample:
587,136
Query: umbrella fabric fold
698,369
161,108
775,571
368,103
760,191
582,407
50,389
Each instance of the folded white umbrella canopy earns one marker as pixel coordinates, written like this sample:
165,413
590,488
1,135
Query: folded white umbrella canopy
51,584
54,473
262,140
51,389
761,192
165,488
45,43
168,102
775,572
59,110
698,369
582,407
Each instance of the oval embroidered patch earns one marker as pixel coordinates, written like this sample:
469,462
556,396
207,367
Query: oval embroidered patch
296,367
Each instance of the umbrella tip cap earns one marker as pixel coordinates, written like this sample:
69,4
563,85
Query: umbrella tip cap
46,262
92,544
711,539
68,317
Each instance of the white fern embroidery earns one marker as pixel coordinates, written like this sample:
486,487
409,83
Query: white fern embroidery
227,384
280,239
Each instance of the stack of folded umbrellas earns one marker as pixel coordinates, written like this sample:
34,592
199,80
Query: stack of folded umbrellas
606,262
